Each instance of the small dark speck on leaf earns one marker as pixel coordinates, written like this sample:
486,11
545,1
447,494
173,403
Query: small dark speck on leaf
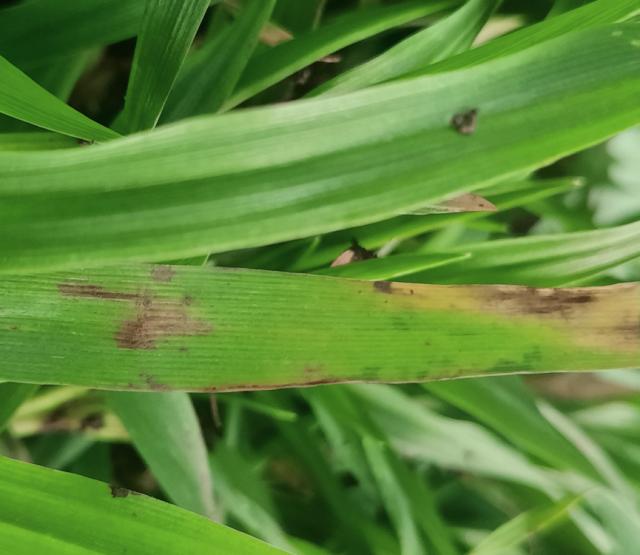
117,491
382,286
465,123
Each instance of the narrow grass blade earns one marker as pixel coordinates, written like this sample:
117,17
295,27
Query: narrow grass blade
211,77
390,267
594,14
545,260
245,496
165,429
96,518
285,59
24,99
506,406
445,38
256,177
375,235
163,328
397,503
518,530
167,31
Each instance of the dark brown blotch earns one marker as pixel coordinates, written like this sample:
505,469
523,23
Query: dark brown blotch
383,287
466,122
94,292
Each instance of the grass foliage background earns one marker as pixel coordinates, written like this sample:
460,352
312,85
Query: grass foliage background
269,135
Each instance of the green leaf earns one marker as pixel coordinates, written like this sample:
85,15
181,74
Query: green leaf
595,14
443,39
167,31
398,505
506,406
288,57
166,431
35,141
518,530
375,235
391,266
245,496
47,511
183,327
542,261
210,78
256,177
24,99
42,31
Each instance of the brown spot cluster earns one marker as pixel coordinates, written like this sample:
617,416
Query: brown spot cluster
154,318
530,300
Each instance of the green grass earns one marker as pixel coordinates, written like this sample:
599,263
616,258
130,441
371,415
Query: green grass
172,176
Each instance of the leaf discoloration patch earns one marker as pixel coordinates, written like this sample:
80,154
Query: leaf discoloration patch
155,318
158,319
383,287
163,273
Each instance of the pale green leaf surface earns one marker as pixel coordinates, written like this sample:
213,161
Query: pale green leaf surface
167,31
24,99
94,521
595,14
260,176
543,261
165,430
507,407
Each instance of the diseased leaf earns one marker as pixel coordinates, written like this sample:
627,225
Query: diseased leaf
181,327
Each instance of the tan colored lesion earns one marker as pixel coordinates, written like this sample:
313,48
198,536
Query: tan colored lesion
597,317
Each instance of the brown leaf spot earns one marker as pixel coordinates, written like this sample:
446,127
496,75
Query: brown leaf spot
153,384
383,287
465,123
94,292
117,491
163,273
158,319
529,300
